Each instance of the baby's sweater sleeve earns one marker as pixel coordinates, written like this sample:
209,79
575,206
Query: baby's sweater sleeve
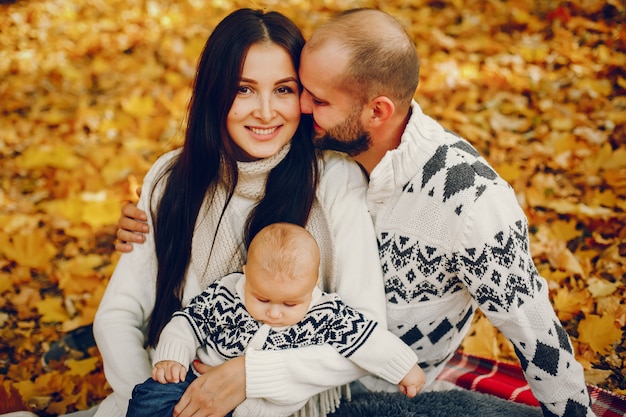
177,342
369,345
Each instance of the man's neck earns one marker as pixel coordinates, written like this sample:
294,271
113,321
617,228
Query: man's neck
385,139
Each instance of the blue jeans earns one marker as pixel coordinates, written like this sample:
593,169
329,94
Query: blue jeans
153,399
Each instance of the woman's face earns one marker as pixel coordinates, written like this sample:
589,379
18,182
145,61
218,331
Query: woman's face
266,110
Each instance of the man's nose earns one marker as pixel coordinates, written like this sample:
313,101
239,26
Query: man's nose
306,103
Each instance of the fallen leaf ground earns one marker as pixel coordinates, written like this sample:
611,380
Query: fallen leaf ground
91,92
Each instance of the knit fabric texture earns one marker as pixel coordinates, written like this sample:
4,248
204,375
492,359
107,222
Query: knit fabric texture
453,238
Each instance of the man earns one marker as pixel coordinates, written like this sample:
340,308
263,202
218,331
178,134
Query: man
452,237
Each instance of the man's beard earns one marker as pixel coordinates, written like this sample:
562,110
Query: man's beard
348,137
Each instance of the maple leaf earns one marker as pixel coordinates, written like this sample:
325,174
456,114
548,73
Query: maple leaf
82,367
59,156
568,303
482,340
51,310
33,249
601,287
599,332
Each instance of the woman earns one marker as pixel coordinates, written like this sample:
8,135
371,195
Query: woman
246,162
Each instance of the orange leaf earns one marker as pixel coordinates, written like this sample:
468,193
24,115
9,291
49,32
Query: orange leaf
599,332
569,303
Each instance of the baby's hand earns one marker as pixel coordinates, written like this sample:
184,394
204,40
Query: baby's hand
413,382
169,371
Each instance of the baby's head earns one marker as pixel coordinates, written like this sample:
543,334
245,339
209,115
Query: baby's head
281,273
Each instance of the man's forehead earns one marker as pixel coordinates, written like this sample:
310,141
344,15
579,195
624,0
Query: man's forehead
321,69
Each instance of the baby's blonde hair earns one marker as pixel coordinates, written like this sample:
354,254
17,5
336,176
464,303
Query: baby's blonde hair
284,248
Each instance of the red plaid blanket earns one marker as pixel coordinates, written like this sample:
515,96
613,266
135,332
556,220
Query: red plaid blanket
507,381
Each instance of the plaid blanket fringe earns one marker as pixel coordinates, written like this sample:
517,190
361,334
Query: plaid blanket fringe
507,381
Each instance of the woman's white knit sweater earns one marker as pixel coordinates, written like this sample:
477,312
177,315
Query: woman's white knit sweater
340,223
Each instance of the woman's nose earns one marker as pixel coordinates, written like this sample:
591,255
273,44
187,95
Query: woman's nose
265,109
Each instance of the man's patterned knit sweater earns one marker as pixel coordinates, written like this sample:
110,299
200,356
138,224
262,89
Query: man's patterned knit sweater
453,238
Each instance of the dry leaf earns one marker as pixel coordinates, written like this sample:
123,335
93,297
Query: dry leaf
599,332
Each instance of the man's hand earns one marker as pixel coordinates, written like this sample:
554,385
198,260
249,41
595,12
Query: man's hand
131,226
169,371
413,382
216,392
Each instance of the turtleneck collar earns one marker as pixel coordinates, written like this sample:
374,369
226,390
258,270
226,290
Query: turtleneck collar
253,175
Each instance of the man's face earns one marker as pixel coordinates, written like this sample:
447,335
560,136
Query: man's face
337,116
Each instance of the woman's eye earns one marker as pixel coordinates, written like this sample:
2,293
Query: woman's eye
243,89
284,90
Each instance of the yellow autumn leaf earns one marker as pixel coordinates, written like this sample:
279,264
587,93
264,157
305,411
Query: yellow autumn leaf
32,250
96,212
616,160
82,265
568,207
78,284
482,340
565,230
601,287
82,367
137,106
599,332
26,388
5,283
568,303
510,171
58,156
49,383
596,376
101,213
52,310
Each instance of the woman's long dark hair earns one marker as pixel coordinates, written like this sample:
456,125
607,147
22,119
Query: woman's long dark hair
290,187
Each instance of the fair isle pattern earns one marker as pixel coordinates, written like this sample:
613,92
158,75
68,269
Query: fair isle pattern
498,272
220,320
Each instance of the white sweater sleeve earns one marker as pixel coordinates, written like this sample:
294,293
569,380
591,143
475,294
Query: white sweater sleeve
123,313
518,304
297,374
176,343
385,355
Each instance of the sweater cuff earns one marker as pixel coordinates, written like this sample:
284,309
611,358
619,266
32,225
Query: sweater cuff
265,373
172,350
399,364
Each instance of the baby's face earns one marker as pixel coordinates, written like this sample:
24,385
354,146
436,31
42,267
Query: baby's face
275,300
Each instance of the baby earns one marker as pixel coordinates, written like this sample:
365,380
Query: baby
274,304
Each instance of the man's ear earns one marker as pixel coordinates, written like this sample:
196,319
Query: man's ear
381,110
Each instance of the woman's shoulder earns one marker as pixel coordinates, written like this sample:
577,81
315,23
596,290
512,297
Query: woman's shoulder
339,163
161,164
340,174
